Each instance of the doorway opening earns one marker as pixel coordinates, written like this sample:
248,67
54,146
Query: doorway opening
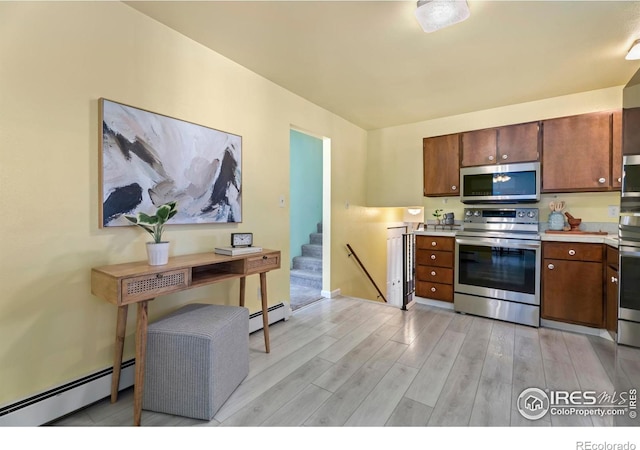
309,248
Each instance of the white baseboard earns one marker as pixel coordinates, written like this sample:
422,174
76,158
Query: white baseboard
330,294
47,406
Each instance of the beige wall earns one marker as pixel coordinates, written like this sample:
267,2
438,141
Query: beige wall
394,174
58,59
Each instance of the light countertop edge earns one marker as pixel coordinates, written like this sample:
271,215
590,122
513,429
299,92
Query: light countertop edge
609,239
444,233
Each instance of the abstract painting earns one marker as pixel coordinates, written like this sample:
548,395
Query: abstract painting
148,159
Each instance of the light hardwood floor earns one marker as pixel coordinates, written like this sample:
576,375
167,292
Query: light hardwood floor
351,362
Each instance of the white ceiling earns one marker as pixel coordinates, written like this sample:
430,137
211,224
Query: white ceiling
371,63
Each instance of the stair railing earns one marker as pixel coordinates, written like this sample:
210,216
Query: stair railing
352,252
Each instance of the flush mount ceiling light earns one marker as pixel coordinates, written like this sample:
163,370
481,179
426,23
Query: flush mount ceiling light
435,14
634,51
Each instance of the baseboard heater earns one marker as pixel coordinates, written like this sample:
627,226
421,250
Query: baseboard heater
57,402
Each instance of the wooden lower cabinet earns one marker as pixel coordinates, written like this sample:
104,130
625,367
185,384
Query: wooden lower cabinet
434,267
572,283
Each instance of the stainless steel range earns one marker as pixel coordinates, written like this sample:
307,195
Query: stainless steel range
497,260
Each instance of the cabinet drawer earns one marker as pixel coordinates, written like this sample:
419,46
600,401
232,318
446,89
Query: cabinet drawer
434,258
435,243
612,257
435,291
149,286
434,274
573,251
263,263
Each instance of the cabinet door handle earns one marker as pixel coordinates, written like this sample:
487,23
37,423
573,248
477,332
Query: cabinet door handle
434,243
601,180
453,188
433,273
433,256
433,289
572,252
619,180
490,158
614,280
551,266
505,156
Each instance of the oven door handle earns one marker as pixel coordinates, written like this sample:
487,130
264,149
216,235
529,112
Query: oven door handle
496,242
628,251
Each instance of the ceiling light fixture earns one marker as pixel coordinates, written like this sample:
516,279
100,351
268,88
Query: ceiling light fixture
435,14
634,51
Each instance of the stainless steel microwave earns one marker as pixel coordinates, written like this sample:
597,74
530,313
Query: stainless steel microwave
507,183
630,196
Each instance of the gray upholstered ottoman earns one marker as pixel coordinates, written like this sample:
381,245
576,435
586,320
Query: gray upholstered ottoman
196,357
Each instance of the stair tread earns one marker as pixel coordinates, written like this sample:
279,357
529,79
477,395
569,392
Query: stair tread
306,273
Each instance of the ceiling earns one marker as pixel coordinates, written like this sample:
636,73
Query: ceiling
370,62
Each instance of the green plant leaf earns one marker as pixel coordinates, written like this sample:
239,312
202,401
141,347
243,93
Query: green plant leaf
163,213
146,219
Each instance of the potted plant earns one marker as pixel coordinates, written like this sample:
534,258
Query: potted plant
437,215
158,250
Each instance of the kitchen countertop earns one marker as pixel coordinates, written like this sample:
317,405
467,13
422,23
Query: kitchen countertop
444,233
587,238
609,239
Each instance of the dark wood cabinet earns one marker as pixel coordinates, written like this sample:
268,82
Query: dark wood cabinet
631,131
519,143
616,150
479,147
441,164
502,145
434,267
577,153
572,287
611,309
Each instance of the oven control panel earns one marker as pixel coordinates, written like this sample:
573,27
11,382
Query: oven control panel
501,215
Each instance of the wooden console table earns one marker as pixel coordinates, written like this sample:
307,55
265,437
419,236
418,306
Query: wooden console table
139,283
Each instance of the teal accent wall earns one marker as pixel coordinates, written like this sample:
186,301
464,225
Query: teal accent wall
305,194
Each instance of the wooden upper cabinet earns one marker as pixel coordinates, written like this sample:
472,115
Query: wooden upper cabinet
519,143
576,153
502,145
479,147
441,164
616,150
631,131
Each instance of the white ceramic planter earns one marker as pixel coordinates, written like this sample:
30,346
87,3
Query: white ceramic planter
158,254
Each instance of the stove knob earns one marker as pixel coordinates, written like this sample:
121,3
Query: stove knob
520,213
531,214
476,213
468,214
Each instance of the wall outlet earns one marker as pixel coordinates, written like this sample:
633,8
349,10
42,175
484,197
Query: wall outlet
614,211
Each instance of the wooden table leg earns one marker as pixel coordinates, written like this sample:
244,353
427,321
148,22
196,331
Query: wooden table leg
141,349
121,327
265,309
243,283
